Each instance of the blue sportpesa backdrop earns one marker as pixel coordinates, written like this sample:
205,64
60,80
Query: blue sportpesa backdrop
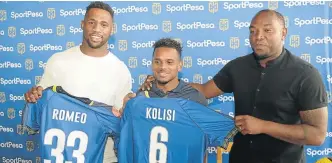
212,34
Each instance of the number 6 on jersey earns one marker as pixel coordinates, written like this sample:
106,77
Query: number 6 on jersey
155,145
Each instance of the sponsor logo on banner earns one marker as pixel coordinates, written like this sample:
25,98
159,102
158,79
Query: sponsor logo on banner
132,62
30,146
187,62
70,44
20,129
141,78
6,48
198,78
38,160
242,5
213,6
123,45
6,129
3,15
2,114
313,21
11,113
51,13
312,41
286,21
15,160
185,79
224,98
10,145
35,31
156,8
28,64
45,47
139,45
184,8
2,32
306,57
60,30
42,64
167,26
322,60
239,25
2,97
11,31
319,152
146,62
75,30
15,98
294,41
211,62
205,44
37,79
291,4
75,12
273,5
223,24
194,26
329,134
140,27
14,80
20,48
234,42
329,78
114,29
130,9
26,14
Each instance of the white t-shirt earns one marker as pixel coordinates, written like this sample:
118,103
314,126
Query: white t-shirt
103,79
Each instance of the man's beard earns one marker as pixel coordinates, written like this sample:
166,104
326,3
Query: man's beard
95,46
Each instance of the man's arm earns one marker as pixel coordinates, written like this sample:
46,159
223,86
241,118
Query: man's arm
312,131
208,89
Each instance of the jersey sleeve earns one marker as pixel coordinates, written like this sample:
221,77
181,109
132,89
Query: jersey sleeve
32,115
219,128
110,123
223,78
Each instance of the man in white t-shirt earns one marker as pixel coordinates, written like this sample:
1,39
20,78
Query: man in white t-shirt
89,70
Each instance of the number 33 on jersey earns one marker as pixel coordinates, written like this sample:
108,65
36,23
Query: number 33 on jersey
72,130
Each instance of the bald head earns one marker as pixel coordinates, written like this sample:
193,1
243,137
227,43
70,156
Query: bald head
273,13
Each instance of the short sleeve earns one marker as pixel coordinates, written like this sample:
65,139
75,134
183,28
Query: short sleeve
312,93
223,78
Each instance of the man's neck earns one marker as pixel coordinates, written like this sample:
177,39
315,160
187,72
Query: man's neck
168,86
99,52
264,62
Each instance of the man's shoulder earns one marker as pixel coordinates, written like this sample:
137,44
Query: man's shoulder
241,60
65,54
297,62
192,93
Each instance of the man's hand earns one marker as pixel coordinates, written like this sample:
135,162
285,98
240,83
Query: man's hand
33,94
147,83
249,124
118,113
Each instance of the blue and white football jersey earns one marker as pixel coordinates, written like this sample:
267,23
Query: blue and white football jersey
172,130
71,129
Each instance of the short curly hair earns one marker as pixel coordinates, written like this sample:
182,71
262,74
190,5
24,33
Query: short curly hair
169,43
100,5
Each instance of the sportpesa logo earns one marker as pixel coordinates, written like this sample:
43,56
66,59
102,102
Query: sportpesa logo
14,81
313,21
291,4
239,25
211,62
242,5
15,160
204,44
130,9
6,48
312,41
74,12
10,145
139,27
194,26
35,31
26,14
184,8
45,47
313,152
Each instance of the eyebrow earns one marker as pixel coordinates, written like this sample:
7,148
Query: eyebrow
264,25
